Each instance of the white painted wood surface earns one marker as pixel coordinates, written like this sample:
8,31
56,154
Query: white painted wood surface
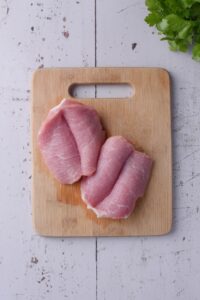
62,33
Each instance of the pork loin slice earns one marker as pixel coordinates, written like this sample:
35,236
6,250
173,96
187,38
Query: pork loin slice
87,130
113,156
70,140
116,197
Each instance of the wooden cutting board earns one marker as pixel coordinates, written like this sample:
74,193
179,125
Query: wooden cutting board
144,119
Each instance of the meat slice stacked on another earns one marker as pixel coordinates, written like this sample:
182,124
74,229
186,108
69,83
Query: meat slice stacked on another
84,123
113,155
70,140
121,178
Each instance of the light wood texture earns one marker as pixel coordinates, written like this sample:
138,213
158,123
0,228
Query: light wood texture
144,119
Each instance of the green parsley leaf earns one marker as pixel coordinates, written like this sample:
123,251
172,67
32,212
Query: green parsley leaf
178,45
153,18
189,3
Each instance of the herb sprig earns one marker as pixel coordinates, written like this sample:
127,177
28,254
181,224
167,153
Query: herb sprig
178,21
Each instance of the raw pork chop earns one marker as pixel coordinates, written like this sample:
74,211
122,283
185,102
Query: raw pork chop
121,178
70,140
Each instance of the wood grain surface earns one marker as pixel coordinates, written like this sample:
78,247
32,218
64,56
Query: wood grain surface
144,119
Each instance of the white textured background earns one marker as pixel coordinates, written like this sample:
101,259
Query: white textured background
50,33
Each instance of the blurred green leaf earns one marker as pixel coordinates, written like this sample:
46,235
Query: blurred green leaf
153,18
196,52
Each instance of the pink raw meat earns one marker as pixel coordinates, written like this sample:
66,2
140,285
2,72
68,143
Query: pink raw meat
65,140
87,130
129,185
113,155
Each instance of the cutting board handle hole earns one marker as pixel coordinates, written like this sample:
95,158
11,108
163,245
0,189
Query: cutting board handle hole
114,90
